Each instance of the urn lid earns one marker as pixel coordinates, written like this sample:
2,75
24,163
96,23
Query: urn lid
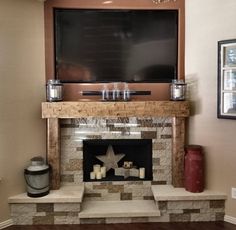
37,164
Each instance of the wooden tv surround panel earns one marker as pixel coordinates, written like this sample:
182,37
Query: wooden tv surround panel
73,91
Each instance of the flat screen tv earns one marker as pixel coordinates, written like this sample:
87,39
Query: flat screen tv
115,45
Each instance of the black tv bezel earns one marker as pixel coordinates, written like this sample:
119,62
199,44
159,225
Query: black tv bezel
110,81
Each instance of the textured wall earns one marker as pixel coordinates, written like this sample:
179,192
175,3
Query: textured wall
22,132
206,23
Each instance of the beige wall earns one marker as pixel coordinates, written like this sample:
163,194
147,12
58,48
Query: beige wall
22,131
208,21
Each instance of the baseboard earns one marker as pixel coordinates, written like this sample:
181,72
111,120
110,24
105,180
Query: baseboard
6,223
230,219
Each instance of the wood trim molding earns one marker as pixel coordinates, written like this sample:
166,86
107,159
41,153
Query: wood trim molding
178,143
6,224
230,219
53,151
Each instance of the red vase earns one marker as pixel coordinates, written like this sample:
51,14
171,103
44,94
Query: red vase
194,169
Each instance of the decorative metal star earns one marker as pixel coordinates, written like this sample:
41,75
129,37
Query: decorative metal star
110,160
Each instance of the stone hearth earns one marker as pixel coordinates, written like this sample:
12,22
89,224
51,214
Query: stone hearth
66,206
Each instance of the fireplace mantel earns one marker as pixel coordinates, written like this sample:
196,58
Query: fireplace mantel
115,109
54,111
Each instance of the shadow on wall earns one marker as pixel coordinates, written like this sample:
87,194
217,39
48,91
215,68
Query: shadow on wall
192,94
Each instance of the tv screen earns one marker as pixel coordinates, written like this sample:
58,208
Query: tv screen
115,45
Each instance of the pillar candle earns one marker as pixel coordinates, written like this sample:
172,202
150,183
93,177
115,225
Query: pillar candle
98,175
103,171
96,168
92,175
142,173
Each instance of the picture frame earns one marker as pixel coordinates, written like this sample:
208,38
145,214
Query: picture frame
226,105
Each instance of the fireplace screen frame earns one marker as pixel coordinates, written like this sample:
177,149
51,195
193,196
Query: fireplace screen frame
129,147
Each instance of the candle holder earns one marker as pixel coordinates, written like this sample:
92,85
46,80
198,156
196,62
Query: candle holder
178,90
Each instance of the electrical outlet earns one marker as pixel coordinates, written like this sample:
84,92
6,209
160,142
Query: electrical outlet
234,193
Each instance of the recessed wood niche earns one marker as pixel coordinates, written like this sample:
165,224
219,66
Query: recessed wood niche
156,104
72,91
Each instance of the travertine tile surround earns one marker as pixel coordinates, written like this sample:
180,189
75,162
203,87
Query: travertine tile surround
74,131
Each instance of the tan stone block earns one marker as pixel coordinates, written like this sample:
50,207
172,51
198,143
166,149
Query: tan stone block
162,218
219,216
191,211
66,132
148,197
155,161
201,204
67,178
23,208
66,220
43,220
139,219
111,196
68,154
176,211
90,195
40,214
47,207
66,207
220,210
162,205
201,217
159,146
140,193
148,134
115,188
126,196
180,217
93,221
166,136
22,219
175,205
217,204
118,220
100,186
78,177
145,122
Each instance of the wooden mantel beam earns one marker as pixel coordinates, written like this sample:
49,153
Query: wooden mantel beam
115,109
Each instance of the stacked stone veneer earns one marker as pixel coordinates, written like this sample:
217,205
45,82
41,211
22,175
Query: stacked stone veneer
197,210
74,131
45,213
64,213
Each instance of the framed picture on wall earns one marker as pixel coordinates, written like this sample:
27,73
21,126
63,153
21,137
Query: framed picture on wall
226,79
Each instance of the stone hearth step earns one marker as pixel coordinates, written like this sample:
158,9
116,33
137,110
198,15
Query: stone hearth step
179,205
169,193
66,194
119,209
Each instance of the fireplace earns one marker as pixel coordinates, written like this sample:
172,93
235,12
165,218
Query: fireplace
134,154
161,121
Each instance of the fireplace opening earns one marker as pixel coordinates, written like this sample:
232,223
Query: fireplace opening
117,160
